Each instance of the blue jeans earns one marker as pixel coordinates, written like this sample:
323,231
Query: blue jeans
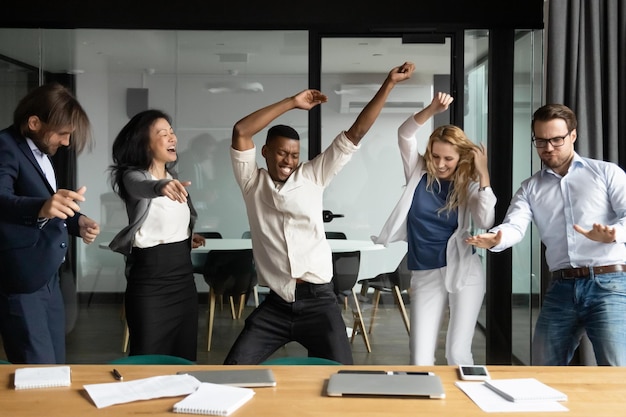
596,305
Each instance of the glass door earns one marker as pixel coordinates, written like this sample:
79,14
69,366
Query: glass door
353,69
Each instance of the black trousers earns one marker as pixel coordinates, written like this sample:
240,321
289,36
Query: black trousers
314,320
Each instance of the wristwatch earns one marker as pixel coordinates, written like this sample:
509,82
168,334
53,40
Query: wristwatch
483,188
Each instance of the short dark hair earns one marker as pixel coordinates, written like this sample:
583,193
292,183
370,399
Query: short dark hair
555,111
281,131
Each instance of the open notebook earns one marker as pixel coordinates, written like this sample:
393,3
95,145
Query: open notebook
364,383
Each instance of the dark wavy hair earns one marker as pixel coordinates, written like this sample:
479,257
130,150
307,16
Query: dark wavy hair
131,148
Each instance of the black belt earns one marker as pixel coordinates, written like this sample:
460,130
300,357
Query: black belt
585,271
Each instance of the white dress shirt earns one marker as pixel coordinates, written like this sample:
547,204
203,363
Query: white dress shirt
44,163
593,191
288,237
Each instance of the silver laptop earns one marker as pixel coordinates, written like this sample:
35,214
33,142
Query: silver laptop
261,377
387,384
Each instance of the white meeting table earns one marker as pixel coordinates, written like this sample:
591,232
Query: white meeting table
375,258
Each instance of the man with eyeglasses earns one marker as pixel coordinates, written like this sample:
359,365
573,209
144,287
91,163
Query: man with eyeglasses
579,207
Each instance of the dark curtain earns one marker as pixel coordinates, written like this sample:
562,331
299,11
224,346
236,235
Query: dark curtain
586,71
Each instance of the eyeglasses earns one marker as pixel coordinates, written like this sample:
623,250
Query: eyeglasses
555,141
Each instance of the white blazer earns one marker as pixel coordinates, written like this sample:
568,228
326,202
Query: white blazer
462,262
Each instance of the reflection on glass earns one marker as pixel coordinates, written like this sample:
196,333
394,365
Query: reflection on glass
207,80
526,254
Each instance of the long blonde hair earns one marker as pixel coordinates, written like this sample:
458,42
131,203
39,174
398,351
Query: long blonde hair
465,171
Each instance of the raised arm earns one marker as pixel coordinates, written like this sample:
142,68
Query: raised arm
368,115
246,128
440,103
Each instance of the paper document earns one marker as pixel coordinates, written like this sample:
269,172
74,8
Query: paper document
104,395
489,401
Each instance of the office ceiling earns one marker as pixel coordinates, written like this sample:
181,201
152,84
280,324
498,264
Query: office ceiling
216,52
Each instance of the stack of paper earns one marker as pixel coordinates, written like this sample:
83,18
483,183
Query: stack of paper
517,394
525,389
42,377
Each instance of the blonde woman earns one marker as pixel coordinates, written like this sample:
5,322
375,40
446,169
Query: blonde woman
446,189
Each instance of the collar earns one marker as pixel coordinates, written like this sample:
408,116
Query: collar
36,151
577,161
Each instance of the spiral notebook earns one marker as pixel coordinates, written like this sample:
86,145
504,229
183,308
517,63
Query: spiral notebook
214,399
525,389
42,377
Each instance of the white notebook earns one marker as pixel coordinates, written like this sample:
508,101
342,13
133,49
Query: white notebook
525,389
43,377
214,399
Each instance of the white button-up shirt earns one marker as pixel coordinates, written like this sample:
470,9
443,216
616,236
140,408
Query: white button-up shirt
593,191
44,163
286,224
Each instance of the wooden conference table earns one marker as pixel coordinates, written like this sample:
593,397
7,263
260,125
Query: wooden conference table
300,390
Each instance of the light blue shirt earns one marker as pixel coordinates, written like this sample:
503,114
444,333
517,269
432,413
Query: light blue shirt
593,191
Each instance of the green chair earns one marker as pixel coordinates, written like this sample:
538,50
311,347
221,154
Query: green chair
300,360
151,360
3,362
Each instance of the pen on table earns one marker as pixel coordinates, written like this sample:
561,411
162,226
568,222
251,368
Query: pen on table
117,375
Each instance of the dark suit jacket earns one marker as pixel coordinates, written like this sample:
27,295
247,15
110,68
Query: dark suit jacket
30,252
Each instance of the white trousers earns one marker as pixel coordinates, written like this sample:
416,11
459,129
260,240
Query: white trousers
428,306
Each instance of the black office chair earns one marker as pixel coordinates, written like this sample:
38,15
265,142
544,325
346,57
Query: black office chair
345,276
395,282
335,235
198,259
229,273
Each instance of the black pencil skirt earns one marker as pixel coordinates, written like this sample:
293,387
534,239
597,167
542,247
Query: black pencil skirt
162,301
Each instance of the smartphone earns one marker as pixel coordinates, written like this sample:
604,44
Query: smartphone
473,372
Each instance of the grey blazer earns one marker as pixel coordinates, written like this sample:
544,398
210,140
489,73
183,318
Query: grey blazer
141,189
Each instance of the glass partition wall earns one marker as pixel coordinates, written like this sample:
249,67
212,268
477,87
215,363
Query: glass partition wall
207,80
527,255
